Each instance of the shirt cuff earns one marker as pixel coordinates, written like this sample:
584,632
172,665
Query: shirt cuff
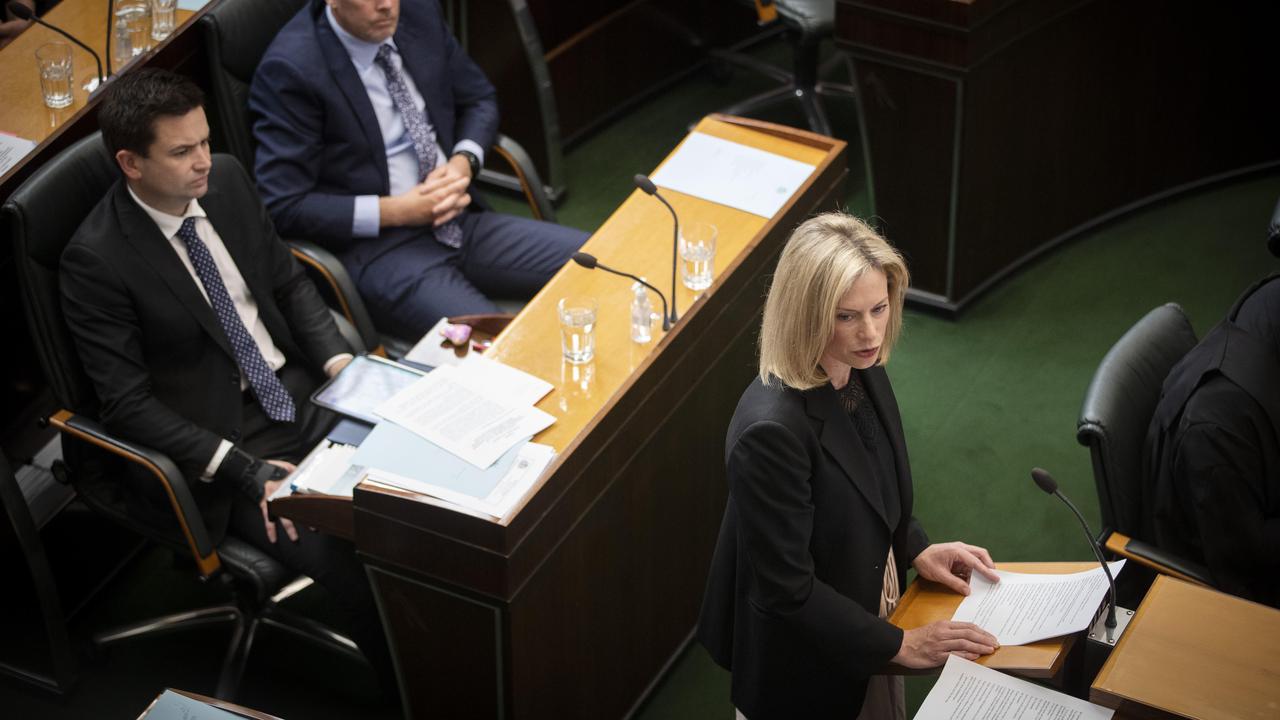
224,447
472,147
365,219
335,359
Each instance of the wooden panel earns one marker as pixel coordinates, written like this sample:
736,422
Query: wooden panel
450,666
927,602
1047,118
1196,653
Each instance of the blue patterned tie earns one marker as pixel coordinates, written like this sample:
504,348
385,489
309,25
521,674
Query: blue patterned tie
271,393
415,123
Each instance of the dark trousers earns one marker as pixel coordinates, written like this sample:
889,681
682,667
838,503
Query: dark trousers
330,561
413,280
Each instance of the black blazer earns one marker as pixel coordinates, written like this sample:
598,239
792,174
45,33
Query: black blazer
794,589
162,366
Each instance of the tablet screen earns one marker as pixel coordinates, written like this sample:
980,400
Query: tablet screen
364,384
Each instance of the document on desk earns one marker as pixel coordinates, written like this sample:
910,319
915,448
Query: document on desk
732,174
471,411
12,150
969,691
1023,608
394,456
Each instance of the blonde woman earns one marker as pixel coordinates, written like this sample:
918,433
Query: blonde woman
818,532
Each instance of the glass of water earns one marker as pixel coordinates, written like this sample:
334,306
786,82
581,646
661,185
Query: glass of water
162,18
136,15
698,255
54,62
577,315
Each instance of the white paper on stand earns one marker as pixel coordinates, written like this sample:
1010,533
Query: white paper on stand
969,691
456,410
732,174
1023,608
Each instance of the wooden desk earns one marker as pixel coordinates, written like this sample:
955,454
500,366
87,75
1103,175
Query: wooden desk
1196,653
997,129
925,602
574,605
23,111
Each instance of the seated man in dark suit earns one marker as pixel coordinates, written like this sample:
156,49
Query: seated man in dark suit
1213,462
371,124
202,335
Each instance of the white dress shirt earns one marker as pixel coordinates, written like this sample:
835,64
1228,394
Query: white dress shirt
402,163
246,306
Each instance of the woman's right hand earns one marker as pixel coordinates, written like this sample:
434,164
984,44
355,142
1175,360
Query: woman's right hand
929,646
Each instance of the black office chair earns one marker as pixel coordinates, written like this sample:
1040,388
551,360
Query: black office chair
42,216
1117,410
805,23
237,34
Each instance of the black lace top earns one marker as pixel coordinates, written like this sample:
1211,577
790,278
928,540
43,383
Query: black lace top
870,429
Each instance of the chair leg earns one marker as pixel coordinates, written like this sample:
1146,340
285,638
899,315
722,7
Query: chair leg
761,101
237,657
813,112
170,623
312,631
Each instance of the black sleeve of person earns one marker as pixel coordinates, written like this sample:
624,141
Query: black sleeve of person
247,473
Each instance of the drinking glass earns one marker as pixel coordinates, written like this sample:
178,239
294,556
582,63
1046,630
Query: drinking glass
54,63
698,255
577,316
163,18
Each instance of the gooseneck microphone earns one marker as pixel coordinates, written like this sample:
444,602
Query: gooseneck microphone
589,262
644,183
1046,483
23,12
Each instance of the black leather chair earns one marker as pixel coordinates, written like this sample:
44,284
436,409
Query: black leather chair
42,216
237,34
805,23
1118,407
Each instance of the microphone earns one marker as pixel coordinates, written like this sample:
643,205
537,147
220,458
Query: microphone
644,183
1046,483
589,262
23,12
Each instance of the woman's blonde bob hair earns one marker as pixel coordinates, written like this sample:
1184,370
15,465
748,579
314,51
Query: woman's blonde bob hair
822,260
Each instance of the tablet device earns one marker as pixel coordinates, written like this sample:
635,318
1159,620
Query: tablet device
364,384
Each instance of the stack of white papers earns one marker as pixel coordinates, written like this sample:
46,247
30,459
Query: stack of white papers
969,691
1023,608
476,411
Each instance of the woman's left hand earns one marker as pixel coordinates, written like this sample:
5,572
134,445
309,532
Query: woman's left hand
952,563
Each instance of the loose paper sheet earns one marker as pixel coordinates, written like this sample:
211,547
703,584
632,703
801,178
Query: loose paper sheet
969,691
12,150
1023,608
467,414
732,174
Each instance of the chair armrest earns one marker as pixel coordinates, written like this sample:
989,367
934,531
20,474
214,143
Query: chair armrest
1162,561
535,193
159,465
333,273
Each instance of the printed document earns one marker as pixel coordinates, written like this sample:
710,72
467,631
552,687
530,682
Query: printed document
12,150
732,174
1023,608
969,691
467,413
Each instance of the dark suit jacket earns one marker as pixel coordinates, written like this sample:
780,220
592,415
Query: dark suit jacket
161,364
794,589
319,144
1213,462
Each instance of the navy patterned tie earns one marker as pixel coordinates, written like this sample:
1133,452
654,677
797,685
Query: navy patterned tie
271,393
415,123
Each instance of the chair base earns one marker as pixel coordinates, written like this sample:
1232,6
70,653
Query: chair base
243,632
801,87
